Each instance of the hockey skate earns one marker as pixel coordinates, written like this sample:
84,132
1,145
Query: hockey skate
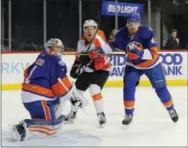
173,114
101,118
78,99
127,120
70,117
18,132
75,105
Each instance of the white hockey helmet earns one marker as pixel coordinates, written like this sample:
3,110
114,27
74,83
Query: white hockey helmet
90,23
54,42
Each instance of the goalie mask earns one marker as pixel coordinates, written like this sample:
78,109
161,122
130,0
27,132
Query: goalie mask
54,46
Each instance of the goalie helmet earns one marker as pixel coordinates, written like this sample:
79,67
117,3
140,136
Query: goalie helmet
54,42
90,23
54,46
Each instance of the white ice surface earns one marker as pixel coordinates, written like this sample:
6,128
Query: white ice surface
151,125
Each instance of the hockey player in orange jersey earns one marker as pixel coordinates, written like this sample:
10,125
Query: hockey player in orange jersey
95,66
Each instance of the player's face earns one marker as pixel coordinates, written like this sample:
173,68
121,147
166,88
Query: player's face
174,34
133,27
89,32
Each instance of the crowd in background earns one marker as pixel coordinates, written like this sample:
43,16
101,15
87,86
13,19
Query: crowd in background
62,22
172,42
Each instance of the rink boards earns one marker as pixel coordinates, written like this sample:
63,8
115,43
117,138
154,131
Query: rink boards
175,68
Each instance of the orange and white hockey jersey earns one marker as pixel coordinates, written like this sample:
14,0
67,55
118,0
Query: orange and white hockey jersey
102,63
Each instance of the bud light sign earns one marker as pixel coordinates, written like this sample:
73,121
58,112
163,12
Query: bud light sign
122,9
172,63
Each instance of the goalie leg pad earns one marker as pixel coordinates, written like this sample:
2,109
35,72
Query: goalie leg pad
33,128
41,110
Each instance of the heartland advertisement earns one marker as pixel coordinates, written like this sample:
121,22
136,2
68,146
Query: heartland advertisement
13,65
118,66
175,68
173,64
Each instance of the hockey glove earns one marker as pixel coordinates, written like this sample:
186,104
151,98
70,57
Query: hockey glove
84,59
96,53
135,50
75,70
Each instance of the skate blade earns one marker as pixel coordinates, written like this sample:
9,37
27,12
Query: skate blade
69,122
124,126
101,125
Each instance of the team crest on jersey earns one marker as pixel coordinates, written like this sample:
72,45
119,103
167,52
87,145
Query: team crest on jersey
39,62
133,45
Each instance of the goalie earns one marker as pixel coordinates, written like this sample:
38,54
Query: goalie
95,65
44,92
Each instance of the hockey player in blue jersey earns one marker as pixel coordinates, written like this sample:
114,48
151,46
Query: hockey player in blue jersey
45,90
138,41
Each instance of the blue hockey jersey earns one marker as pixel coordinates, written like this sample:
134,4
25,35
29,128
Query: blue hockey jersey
46,78
144,36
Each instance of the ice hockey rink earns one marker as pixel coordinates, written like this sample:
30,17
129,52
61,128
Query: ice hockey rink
151,125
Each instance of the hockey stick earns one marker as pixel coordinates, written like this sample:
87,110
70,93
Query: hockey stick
86,53
75,53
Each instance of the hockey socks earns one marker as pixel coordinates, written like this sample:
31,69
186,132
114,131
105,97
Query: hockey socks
165,97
